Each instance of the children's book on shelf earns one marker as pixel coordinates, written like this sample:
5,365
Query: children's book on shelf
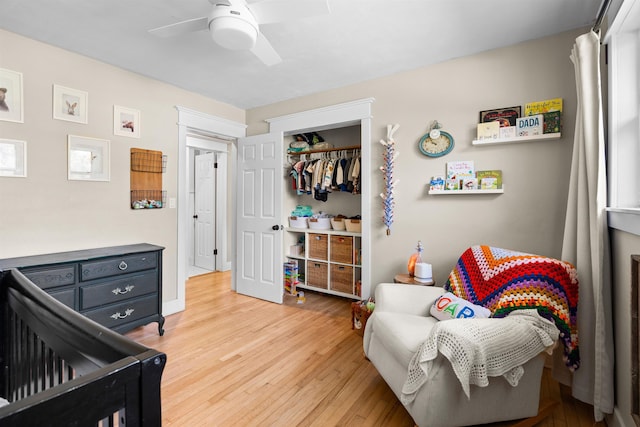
508,132
460,170
452,184
469,184
505,116
530,125
489,179
540,107
488,130
437,183
552,122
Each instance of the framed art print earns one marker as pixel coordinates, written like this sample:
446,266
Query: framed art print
126,122
11,96
13,158
71,105
88,159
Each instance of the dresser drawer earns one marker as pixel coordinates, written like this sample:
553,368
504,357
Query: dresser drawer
66,296
121,289
115,315
115,266
51,276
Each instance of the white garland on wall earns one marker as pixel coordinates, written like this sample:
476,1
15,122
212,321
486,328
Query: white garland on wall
389,156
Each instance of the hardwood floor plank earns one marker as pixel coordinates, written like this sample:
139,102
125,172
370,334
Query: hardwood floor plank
234,360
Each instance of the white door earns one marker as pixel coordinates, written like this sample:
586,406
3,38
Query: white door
258,266
204,211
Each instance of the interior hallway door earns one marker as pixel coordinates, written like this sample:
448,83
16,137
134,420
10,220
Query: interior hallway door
204,212
258,266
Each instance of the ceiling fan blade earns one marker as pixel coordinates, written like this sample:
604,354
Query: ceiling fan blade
265,52
271,11
191,25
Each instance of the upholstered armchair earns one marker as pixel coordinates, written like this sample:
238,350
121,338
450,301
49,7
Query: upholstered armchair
473,370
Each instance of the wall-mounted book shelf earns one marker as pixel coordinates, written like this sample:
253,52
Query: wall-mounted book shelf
516,139
464,192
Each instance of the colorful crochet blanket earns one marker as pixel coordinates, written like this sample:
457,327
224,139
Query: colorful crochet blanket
503,280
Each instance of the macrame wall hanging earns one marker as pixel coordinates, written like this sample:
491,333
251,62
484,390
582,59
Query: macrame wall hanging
389,156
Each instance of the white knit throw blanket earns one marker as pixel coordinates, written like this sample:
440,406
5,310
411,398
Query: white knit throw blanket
482,348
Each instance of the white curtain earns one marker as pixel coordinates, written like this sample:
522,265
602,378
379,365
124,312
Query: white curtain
586,239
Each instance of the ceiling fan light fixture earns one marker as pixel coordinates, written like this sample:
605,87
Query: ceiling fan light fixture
233,33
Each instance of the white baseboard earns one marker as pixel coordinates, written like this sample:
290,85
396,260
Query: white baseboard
617,419
172,307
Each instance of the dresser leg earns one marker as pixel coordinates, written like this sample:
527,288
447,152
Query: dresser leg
161,326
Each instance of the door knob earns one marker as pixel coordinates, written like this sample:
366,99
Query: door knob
276,227
195,217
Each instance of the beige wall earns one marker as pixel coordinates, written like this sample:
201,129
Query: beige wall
45,212
529,216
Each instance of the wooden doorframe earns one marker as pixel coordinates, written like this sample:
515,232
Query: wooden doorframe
192,122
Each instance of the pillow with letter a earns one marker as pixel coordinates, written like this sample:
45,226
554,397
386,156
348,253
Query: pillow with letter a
448,306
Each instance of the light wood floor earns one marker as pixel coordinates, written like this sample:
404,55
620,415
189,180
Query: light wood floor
236,360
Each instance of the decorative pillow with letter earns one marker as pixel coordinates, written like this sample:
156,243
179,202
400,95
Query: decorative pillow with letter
448,306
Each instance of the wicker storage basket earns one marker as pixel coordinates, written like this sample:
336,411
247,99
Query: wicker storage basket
342,278
318,244
338,224
317,274
353,225
342,249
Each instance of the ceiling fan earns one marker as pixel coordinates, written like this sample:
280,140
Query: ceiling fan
235,24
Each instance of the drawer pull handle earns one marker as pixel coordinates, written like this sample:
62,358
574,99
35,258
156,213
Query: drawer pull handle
123,266
127,289
128,312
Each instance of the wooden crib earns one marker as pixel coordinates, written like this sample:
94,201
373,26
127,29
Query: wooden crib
58,368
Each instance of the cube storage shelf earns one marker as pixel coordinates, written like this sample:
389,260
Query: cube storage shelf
330,261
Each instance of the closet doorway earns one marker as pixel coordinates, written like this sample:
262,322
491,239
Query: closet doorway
207,204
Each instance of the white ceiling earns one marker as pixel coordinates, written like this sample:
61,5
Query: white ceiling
359,40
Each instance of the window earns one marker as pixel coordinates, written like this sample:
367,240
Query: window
623,39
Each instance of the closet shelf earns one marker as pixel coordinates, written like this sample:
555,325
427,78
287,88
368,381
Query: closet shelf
325,150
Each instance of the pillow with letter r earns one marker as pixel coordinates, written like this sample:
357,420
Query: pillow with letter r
448,306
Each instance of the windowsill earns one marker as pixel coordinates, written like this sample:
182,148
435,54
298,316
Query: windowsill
624,219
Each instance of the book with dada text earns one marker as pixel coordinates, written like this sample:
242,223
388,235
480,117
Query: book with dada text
530,125
489,179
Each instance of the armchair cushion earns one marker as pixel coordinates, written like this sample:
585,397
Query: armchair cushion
448,306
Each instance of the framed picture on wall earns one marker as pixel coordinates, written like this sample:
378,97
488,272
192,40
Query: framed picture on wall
11,99
88,158
71,105
13,158
126,122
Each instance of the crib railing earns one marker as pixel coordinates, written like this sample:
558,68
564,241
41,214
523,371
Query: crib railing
59,368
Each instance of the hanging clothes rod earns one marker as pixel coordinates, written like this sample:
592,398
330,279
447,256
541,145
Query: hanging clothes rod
604,8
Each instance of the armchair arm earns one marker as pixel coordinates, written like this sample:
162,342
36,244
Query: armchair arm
410,299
